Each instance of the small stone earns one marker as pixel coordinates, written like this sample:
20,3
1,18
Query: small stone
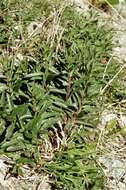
34,28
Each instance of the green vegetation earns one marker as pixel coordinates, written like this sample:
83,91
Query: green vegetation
50,84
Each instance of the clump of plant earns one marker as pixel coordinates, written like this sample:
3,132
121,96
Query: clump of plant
50,97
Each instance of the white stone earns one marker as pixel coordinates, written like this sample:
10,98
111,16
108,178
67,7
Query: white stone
34,28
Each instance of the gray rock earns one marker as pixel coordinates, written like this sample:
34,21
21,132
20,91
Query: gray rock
30,181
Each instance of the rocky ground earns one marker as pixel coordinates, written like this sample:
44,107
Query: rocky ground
112,161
